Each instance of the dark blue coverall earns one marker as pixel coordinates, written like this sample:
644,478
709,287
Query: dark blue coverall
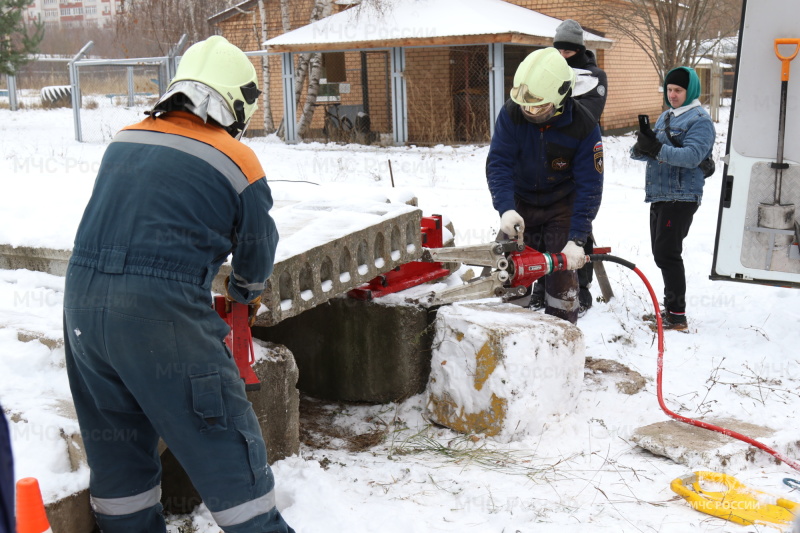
552,175
7,521
144,348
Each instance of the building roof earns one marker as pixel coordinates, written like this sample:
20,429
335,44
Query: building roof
420,23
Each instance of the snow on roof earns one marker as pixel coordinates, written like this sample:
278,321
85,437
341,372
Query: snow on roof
724,47
421,22
707,63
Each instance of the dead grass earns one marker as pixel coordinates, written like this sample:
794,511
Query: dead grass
318,428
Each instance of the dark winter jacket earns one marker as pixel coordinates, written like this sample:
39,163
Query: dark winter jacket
7,522
173,198
543,164
594,100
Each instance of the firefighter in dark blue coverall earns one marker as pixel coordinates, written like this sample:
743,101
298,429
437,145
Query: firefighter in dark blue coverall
175,195
545,170
6,478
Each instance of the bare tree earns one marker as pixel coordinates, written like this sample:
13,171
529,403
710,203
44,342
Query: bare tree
669,31
308,66
322,8
162,22
269,122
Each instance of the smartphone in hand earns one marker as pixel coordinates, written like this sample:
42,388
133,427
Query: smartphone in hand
644,123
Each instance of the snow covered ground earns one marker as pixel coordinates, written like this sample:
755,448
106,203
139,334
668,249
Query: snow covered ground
584,474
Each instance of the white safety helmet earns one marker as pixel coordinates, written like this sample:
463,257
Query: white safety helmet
217,81
543,80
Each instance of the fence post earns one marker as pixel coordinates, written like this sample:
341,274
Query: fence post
172,67
289,107
12,92
74,81
496,83
131,88
399,100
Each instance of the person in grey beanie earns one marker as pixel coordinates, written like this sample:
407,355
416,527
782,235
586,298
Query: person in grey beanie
569,42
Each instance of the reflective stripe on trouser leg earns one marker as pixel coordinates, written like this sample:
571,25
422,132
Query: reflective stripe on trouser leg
561,295
127,504
245,511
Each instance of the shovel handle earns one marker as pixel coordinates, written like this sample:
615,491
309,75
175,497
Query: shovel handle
786,60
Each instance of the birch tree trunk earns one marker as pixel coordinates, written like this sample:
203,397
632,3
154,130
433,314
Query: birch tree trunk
322,9
286,24
269,124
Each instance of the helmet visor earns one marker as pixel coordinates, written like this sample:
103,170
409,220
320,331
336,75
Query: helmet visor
522,95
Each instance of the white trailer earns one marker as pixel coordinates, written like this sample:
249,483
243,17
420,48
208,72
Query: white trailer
758,226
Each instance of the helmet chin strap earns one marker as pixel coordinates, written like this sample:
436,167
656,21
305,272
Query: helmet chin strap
240,125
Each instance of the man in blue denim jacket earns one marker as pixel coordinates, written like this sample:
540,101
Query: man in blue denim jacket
683,138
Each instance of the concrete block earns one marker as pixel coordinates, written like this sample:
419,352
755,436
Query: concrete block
702,448
503,370
351,350
178,495
72,514
277,404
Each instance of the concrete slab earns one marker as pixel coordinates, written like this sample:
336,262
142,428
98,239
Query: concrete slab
697,447
325,250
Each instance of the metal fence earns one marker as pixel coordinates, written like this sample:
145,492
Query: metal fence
447,93
353,103
108,95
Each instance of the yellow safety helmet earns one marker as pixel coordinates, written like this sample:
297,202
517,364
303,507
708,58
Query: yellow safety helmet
219,81
543,78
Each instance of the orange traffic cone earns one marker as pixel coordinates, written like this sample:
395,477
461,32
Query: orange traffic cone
31,517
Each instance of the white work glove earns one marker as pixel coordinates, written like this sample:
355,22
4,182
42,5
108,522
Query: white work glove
510,219
575,255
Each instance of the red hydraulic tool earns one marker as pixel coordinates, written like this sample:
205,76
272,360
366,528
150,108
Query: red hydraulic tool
515,265
409,274
239,339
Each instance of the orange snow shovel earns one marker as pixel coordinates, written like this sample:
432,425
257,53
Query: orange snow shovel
726,497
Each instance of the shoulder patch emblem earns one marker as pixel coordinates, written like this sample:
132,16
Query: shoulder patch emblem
559,163
601,90
598,162
598,146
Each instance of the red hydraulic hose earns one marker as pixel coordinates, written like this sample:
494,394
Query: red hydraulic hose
660,368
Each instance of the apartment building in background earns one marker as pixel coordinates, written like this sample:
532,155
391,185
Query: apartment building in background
70,13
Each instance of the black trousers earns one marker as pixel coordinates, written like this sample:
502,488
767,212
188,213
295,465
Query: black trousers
547,230
586,272
669,225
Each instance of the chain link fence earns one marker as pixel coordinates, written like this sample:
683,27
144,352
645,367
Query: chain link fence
353,103
447,94
112,94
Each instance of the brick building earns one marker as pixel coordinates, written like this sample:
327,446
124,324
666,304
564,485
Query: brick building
423,75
